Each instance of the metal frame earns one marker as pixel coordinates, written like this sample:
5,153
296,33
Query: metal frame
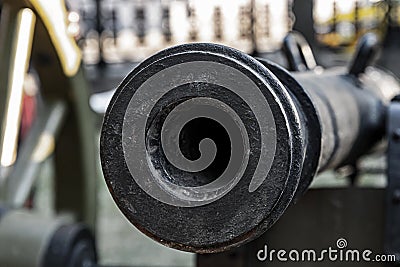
392,233
67,129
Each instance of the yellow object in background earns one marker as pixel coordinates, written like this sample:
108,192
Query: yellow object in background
54,17
339,23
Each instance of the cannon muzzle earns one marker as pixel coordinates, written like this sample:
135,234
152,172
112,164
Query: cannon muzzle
204,147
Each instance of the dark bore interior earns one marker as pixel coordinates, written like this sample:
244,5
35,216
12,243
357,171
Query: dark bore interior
189,139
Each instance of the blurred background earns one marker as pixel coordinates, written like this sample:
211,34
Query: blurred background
114,35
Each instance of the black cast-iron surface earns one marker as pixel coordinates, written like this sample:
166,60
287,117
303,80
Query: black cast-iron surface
323,119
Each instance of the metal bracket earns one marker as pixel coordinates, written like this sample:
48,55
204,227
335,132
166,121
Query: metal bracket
367,49
298,52
392,234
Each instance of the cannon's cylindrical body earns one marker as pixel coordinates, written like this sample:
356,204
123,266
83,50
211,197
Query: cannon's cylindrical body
203,147
352,113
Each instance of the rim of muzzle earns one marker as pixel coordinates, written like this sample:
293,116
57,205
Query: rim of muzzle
238,215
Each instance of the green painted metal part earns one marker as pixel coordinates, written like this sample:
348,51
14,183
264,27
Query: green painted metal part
75,160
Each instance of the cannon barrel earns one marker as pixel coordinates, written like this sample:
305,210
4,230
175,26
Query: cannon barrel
204,147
